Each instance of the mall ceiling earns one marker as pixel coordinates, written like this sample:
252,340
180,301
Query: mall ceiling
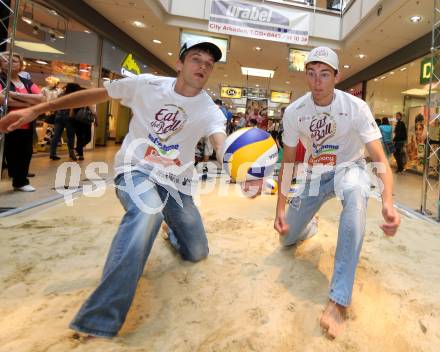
376,37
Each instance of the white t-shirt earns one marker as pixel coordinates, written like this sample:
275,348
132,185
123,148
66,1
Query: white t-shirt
164,130
332,134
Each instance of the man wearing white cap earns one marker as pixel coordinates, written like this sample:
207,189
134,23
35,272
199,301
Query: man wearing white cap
154,174
335,127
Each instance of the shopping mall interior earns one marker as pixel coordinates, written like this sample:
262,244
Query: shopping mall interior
255,291
384,49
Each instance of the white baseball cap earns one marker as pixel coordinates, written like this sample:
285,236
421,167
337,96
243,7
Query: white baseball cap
197,43
324,55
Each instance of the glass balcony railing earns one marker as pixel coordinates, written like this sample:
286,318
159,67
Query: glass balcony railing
332,5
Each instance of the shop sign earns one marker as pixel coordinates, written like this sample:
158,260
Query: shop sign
297,59
426,70
259,21
280,97
254,92
230,92
130,67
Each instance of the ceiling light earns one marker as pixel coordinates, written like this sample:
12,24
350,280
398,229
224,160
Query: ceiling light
208,89
225,75
257,85
87,31
415,19
346,66
361,56
287,82
403,69
37,47
138,24
416,91
257,72
376,79
157,41
392,73
258,48
27,19
383,77
170,53
53,12
41,62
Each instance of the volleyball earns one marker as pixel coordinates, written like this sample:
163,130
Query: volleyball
249,154
271,186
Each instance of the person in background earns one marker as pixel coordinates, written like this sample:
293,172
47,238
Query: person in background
82,121
241,121
387,137
225,112
18,144
64,120
400,137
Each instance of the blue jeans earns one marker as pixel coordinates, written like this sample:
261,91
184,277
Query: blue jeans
105,310
352,187
62,121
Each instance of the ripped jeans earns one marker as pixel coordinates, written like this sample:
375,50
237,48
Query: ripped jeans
352,186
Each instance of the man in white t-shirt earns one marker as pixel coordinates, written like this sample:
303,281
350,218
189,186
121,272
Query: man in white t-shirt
334,127
155,176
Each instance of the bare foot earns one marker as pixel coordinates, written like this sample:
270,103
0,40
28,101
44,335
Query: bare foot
81,337
332,319
164,231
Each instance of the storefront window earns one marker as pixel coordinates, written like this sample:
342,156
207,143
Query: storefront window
405,90
57,51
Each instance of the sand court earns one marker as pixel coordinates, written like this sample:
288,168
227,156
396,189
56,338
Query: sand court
248,295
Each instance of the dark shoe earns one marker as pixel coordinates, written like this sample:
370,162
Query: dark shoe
72,155
55,157
30,174
80,157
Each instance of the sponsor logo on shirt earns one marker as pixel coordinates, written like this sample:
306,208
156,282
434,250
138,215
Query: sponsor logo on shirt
162,148
322,127
153,155
168,120
323,154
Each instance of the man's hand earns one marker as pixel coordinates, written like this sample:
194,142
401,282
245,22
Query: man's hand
280,224
16,118
392,220
253,188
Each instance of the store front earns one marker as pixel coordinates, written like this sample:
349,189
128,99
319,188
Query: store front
58,50
406,89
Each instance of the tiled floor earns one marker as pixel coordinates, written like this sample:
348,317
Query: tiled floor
46,171
407,186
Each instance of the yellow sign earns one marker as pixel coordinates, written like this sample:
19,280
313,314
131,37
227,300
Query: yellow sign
230,92
130,66
280,97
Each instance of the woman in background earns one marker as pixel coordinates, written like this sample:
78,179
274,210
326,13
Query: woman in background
19,143
387,137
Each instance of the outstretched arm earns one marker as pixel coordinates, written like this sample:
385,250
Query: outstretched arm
284,183
389,213
16,118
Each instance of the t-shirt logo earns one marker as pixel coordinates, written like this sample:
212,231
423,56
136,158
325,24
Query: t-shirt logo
322,127
168,120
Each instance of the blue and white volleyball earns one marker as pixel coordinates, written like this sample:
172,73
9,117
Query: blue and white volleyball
271,186
249,154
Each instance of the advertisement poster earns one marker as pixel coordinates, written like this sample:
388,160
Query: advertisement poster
417,133
259,21
256,113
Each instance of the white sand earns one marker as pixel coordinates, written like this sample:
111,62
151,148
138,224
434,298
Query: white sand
249,295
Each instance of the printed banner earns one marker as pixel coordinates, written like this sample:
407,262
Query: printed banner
259,21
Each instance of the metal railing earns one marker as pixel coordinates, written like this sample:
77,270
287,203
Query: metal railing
8,13
432,150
